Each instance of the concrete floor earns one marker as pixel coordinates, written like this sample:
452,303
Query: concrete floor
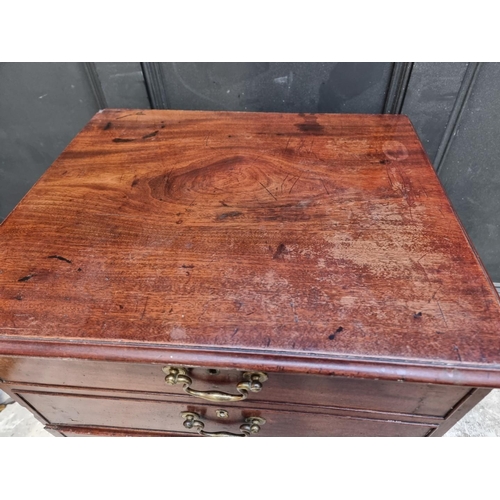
483,420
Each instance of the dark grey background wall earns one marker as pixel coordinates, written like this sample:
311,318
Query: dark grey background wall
455,108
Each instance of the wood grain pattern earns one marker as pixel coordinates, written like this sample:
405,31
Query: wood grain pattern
161,416
301,407
459,411
136,380
82,431
325,237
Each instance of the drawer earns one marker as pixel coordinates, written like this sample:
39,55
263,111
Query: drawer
377,395
70,431
89,411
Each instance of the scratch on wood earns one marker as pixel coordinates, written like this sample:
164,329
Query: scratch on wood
323,182
284,181
442,314
59,258
152,134
286,147
125,116
268,190
417,263
434,294
389,176
423,256
25,278
293,185
144,310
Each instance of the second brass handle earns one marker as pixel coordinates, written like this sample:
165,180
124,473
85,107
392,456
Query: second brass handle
252,382
251,425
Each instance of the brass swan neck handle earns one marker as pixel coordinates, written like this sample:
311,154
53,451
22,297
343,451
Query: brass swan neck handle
250,426
252,382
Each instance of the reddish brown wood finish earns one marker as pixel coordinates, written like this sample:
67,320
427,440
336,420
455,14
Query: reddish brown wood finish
459,411
264,405
326,237
161,416
312,247
280,388
75,431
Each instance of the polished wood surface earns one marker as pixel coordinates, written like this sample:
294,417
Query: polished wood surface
162,416
69,431
396,399
325,237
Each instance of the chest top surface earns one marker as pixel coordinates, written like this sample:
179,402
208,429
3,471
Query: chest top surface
322,237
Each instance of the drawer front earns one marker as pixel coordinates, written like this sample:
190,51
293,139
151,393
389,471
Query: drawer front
60,410
384,396
70,431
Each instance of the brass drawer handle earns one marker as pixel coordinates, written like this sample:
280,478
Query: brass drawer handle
251,426
252,381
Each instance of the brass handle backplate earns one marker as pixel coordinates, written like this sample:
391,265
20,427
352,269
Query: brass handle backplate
252,382
250,426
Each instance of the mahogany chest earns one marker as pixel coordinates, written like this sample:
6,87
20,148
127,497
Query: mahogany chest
179,273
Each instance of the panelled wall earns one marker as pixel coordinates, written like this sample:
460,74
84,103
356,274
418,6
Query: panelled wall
455,108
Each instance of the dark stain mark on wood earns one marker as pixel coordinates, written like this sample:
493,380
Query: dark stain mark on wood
152,134
58,257
135,182
384,162
228,215
280,251
121,139
310,125
120,306
108,126
418,315
455,348
187,266
79,269
223,204
25,278
18,297
373,225
338,330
